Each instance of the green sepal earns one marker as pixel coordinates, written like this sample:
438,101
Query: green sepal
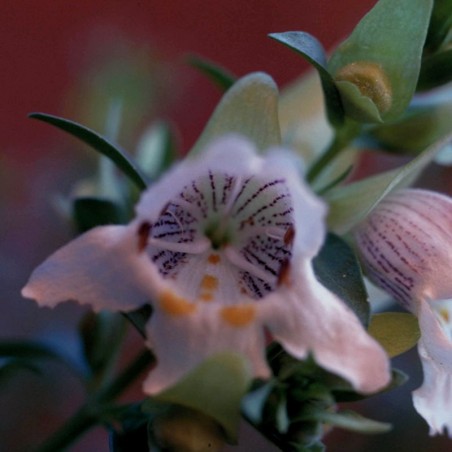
215,388
387,46
397,332
223,78
312,51
98,143
350,420
91,212
254,402
351,203
249,108
337,268
436,70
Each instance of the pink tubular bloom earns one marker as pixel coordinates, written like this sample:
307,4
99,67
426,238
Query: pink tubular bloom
222,247
405,245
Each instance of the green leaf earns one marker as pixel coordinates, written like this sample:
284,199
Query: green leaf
337,268
440,24
382,58
27,350
311,49
350,420
436,70
397,332
91,212
219,75
27,355
352,203
102,334
99,143
156,150
249,108
12,367
416,130
216,388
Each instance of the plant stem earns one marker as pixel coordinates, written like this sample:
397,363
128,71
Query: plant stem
342,138
90,413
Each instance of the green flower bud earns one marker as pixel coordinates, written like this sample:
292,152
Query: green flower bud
185,430
371,81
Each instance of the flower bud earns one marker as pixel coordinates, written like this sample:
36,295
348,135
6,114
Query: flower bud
405,245
371,81
185,430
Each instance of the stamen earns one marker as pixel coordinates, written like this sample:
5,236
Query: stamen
196,247
239,261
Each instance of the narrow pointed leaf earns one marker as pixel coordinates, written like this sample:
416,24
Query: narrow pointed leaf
311,49
352,203
249,108
220,76
99,143
350,420
416,130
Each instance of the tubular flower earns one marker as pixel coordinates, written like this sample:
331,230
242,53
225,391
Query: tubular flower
221,247
405,244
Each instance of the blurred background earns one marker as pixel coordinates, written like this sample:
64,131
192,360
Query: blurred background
71,59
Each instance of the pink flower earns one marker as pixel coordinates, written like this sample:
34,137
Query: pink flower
405,244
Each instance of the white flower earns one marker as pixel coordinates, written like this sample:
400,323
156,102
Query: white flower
406,244
221,247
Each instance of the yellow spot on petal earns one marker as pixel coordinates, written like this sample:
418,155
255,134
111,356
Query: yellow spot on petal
445,315
213,259
174,305
206,297
209,283
238,315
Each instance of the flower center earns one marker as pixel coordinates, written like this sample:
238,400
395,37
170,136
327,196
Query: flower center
224,236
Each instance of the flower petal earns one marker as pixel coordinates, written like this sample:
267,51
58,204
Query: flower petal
405,244
433,400
230,154
183,340
102,267
305,317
